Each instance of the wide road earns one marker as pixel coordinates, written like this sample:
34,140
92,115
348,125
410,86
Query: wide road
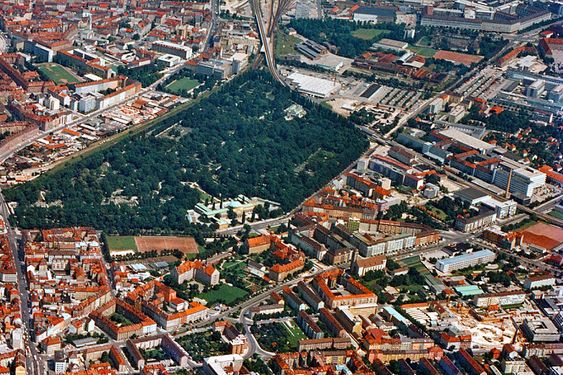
214,6
268,53
34,364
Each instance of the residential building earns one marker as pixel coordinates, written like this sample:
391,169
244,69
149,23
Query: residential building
175,49
539,281
308,325
195,270
465,260
360,266
279,272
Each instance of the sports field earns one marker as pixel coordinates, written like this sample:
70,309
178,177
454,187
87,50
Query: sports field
121,243
423,51
225,294
57,73
184,83
367,34
186,245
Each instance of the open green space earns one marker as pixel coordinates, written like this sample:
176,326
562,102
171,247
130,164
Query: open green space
520,225
224,294
278,336
182,84
425,41
156,354
294,333
423,51
441,215
415,262
285,44
201,345
350,38
57,74
368,34
121,243
233,265
237,143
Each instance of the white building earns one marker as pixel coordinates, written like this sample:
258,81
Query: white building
216,365
361,266
317,87
524,180
533,282
175,49
465,260
500,299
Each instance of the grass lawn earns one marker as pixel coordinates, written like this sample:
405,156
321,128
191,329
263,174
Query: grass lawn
367,34
233,265
556,214
411,288
225,293
441,215
285,44
424,41
294,333
121,243
423,51
57,73
421,268
184,83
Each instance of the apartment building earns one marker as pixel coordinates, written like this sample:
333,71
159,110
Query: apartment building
328,283
279,272
309,326
360,266
195,270
160,302
465,260
175,49
140,323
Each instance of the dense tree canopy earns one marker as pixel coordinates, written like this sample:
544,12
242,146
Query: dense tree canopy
339,33
236,141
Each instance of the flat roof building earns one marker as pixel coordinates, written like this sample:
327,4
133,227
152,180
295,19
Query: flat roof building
540,329
467,140
318,87
465,260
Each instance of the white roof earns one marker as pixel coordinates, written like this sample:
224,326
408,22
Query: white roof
313,85
466,139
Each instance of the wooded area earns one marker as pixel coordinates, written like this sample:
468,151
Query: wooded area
340,33
236,141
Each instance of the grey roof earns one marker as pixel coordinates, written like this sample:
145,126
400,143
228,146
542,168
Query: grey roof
469,194
376,11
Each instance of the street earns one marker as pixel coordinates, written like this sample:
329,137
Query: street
34,364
